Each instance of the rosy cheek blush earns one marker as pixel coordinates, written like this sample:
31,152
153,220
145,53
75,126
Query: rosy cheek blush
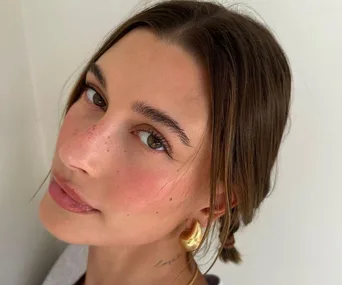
137,189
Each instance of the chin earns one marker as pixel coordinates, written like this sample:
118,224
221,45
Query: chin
64,225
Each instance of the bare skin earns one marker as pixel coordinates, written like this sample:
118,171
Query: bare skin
146,191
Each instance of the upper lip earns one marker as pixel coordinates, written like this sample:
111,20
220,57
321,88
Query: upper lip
70,190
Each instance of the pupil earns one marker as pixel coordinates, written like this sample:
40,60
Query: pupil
98,100
153,142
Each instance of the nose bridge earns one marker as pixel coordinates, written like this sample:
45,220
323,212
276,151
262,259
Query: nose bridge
89,150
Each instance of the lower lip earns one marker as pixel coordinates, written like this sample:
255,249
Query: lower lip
65,201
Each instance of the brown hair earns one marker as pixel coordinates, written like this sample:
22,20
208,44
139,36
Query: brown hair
250,87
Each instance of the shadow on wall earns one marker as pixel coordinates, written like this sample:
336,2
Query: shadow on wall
27,250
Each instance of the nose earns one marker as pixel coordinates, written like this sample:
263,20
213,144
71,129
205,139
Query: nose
87,151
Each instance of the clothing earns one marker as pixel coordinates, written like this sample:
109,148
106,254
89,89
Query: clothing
72,264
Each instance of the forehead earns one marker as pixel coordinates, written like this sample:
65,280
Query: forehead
141,66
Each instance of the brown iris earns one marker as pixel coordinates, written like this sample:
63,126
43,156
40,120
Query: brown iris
98,100
153,142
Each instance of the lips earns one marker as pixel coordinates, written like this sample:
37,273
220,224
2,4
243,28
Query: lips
67,198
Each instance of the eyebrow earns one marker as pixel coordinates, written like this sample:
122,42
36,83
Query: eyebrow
159,116
97,72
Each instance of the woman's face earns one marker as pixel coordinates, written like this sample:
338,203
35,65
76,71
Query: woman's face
135,147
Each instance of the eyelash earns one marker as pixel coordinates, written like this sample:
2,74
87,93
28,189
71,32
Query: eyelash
150,130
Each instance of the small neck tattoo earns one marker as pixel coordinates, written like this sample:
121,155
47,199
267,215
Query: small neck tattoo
162,262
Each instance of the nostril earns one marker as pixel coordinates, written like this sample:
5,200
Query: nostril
75,168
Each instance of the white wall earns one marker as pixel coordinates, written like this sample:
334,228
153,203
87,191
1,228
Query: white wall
23,163
296,238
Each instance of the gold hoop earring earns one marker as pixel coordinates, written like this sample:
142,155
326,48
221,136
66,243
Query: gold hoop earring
191,240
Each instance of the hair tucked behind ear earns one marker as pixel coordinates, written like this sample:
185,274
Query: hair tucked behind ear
249,88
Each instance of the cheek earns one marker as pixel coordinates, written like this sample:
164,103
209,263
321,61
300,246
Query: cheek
140,189
70,127
76,121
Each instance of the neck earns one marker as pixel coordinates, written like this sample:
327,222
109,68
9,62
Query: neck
162,263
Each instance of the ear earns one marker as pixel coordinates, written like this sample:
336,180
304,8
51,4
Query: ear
220,208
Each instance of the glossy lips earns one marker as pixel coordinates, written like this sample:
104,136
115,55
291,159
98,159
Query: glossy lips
67,198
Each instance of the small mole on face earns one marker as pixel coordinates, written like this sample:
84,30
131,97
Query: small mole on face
170,199
127,215
107,149
157,212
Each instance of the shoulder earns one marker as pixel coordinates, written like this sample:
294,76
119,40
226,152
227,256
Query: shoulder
69,266
213,279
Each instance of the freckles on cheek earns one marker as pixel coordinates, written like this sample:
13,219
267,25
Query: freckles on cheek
69,127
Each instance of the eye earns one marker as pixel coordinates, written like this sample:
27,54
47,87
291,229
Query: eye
154,140
94,97
150,140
